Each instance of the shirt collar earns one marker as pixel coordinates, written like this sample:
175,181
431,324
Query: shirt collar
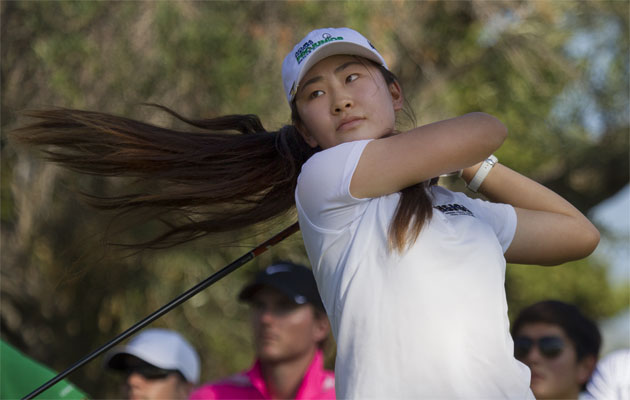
309,387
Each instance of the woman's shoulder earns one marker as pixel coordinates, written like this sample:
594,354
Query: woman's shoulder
323,188
332,167
339,153
440,194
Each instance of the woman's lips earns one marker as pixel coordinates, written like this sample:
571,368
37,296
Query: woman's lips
349,123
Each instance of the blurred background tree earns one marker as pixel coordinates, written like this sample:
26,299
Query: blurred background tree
555,72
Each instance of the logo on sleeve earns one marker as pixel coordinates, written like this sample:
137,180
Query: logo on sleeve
454,209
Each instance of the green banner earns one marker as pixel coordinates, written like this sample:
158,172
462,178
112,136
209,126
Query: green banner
20,375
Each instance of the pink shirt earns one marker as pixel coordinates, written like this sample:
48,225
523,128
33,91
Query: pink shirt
318,383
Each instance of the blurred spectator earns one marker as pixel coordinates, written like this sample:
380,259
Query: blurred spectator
158,364
290,328
559,345
611,379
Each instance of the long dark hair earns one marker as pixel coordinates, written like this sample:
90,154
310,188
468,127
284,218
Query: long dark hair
414,207
211,181
207,182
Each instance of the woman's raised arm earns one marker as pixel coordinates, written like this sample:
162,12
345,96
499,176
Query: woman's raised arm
549,230
393,163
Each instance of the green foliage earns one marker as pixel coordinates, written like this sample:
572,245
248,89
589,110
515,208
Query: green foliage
583,283
64,292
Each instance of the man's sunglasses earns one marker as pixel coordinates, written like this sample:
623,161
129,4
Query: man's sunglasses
150,372
548,346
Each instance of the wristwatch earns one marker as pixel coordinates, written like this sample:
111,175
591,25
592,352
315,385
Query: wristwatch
482,172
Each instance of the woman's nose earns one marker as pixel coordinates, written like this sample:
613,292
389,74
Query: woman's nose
346,104
342,102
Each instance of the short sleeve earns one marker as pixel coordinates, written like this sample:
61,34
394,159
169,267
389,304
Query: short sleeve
499,216
323,189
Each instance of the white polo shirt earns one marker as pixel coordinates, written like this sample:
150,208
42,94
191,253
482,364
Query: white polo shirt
429,323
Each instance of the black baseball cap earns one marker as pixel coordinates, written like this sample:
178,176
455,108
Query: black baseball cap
295,281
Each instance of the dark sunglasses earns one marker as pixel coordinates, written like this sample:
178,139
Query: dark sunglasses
150,372
549,346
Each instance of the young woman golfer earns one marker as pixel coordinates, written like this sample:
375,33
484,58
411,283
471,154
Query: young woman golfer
411,274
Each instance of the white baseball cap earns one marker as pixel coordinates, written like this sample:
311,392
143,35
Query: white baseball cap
162,348
319,44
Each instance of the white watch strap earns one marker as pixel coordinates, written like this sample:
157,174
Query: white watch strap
482,172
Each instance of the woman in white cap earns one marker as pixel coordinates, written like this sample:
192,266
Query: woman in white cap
410,273
158,364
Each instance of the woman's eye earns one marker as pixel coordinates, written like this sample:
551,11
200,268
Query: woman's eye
352,77
316,93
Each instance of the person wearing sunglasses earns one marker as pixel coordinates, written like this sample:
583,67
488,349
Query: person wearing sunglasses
158,364
559,344
290,328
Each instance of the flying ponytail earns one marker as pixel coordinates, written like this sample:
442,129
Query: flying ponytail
229,175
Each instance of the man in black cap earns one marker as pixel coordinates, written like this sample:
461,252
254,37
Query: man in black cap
290,327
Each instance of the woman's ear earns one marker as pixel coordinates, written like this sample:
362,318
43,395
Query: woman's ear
310,140
397,96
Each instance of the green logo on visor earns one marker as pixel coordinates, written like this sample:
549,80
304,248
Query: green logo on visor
308,47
